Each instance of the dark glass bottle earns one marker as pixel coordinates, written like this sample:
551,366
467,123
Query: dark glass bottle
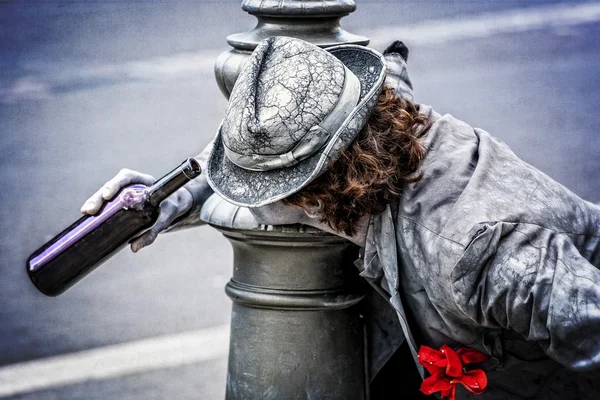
93,239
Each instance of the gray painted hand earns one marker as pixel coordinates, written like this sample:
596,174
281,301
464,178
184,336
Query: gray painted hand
175,205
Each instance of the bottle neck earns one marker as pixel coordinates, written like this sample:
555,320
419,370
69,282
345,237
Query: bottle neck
174,180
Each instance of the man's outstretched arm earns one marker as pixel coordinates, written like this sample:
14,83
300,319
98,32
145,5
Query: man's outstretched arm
179,210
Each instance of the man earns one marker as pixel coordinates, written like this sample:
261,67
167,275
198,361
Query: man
482,256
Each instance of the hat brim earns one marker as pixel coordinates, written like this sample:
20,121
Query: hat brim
257,188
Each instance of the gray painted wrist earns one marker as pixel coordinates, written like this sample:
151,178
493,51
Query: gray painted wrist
200,191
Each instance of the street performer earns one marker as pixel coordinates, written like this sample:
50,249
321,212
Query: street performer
491,267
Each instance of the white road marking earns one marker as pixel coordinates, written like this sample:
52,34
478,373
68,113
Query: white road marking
114,361
488,24
190,64
178,66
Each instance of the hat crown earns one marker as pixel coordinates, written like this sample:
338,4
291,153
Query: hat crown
286,87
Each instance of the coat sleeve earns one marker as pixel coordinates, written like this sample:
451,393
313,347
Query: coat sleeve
533,281
396,58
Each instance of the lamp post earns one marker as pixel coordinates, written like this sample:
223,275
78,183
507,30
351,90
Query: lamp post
296,327
316,21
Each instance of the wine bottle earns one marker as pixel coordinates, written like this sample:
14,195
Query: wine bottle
93,239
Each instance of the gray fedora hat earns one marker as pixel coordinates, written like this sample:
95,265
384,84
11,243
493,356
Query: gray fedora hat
292,109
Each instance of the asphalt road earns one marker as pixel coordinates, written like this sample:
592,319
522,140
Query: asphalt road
87,88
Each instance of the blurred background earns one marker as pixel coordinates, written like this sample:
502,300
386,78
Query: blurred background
90,87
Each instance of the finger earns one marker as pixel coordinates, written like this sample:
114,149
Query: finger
93,204
168,213
136,245
124,178
145,240
112,187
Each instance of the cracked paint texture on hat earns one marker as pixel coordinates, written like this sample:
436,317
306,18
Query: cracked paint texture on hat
268,133
278,99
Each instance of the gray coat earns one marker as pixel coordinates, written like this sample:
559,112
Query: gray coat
490,253
486,252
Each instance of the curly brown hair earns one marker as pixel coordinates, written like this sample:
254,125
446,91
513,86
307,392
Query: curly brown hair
373,170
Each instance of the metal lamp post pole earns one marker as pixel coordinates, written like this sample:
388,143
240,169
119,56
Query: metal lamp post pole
316,21
296,328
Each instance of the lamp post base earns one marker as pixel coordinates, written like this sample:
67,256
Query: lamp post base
296,327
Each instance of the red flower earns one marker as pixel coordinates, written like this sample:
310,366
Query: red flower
446,367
